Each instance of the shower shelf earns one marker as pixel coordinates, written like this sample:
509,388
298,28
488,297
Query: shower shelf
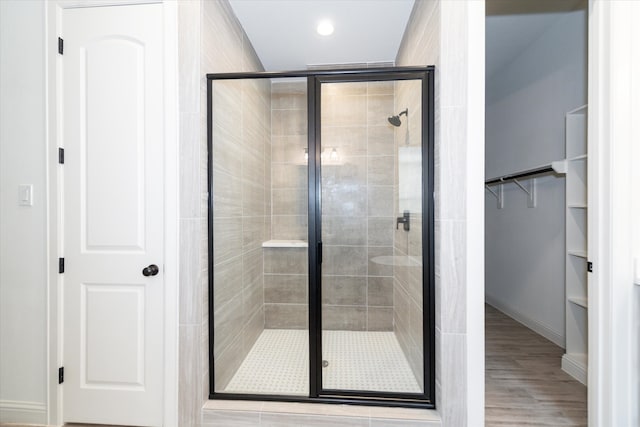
285,244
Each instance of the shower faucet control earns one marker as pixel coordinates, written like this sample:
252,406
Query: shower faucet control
404,220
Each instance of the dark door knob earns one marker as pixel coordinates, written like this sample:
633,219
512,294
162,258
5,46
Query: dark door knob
152,270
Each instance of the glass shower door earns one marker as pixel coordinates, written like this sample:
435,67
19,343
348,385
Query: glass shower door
320,240
259,292
371,231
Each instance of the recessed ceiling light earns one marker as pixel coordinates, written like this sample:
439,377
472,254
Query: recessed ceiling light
325,28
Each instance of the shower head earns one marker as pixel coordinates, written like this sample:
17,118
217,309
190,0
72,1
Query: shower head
395,120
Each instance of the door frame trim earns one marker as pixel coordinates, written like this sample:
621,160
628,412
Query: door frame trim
613,63
55,327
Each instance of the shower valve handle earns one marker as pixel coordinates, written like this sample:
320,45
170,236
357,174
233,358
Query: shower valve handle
404,220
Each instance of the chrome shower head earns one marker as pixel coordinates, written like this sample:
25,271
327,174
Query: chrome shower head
395,120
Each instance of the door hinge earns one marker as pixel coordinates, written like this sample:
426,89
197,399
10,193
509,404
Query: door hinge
61,375
60,46
60,265
589,266
61,156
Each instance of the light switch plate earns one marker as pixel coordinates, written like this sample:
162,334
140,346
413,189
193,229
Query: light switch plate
25,195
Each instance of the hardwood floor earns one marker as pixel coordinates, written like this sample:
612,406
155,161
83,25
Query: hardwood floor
524,383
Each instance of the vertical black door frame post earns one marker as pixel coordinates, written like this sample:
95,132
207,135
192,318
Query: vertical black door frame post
315,233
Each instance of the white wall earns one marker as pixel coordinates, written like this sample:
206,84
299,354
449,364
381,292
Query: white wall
23,307
526,103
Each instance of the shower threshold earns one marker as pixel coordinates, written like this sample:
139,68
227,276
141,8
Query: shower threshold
278,364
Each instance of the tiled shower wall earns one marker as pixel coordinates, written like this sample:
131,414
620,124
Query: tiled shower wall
289,173
286,288
285,272
448,34
358,218
212,40
357,206
241,178
242,201
407,276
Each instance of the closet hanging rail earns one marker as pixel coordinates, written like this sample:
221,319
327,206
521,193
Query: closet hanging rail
559,167
523,174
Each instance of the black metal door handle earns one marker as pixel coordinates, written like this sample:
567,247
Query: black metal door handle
152,270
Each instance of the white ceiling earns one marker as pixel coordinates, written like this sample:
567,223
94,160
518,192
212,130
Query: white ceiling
508,35
283,32
511,26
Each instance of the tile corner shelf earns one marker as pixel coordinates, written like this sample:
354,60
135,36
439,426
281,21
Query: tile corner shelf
285,244
574,361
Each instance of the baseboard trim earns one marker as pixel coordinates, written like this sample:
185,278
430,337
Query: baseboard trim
534,325
575,367
16,411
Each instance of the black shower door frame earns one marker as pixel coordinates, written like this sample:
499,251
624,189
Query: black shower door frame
315,79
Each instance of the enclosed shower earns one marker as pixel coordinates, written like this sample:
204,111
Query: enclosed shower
321,271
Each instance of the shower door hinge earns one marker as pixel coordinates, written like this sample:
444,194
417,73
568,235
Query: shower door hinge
61,375
60,46
60,265
61,156
589,266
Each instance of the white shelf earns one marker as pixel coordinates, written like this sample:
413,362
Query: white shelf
580,110
576,158
580,301
581,254
574,362
285,244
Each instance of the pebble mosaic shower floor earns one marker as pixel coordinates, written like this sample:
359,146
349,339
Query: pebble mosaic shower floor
278,363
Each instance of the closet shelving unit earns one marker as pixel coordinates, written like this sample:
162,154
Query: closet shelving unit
574,361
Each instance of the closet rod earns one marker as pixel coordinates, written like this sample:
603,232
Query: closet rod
523,174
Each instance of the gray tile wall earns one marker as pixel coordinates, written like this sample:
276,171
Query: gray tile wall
407,277
285,269
241,188
357,206
358,212
286,284
212,40
190,367
438,34
289,166
242,201
421,45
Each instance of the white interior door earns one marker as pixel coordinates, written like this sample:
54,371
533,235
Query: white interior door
112,132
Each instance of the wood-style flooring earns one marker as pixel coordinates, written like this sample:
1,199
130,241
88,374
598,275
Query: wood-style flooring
525,385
